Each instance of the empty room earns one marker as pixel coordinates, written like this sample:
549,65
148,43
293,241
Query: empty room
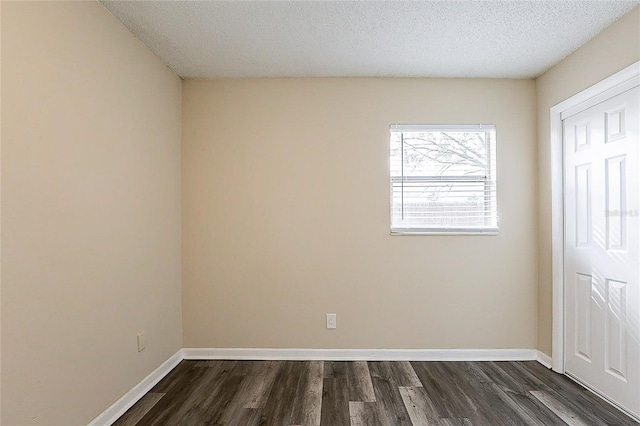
319,213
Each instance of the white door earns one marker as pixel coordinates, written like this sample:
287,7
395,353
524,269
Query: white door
602,248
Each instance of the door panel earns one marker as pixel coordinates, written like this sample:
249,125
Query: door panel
616,336
616,194
583,205
602,248
583,316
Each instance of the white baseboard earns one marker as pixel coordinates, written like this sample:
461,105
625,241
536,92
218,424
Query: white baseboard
544,359
113,413
362,354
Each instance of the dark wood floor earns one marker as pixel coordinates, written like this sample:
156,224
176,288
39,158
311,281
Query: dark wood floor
246,393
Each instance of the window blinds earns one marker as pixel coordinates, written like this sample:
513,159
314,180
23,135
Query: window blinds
443,179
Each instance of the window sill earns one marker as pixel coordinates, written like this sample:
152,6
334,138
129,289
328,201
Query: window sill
480,232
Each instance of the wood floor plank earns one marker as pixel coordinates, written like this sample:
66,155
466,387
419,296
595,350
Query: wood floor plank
456,422
512,384
257,385
208,363
400,373
519,373
403,374
279,409
419,406
551,380
363,413
530,409
359,382
174,378
298,400
177,396
335,403
493,397
391,409
218,408
312,403
233,408
437,383
506,379
559,408
248,417
483,406
240,417
335,369
139,410
490,398
579,399
248,368
532,375
328,370
514,407
207,397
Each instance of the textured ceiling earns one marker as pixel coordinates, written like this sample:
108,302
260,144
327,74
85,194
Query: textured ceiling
237,39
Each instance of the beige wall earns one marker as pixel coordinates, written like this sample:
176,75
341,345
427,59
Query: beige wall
612,50
90,212
286,218
285,207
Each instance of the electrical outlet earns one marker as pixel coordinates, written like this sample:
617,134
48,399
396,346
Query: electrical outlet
142,341
331,321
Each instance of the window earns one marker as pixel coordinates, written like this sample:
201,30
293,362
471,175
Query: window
443,179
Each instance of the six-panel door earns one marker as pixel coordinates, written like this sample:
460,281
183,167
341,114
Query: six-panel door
602,248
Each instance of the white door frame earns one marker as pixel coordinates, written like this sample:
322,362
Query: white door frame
607,88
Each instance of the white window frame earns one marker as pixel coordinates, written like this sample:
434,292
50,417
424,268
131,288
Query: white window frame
486,230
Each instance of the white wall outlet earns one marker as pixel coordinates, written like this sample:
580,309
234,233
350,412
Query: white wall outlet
331,321
142,341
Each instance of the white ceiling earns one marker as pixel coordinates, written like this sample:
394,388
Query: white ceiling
239,39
